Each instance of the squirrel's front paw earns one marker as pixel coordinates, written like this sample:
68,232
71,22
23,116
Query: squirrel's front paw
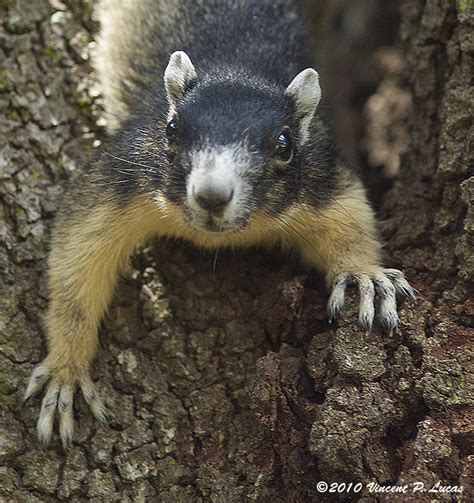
59,396
384,285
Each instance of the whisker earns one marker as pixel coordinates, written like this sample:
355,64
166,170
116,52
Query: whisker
215,261
127,161
289,229
358,227
346,212
342,210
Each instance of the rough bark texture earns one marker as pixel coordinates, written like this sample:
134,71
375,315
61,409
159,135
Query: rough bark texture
223,379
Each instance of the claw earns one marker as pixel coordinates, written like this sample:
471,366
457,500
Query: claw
336,300
92,398
46,417
66,421
388,302
402,287
59,397
367,295
387,285
38,379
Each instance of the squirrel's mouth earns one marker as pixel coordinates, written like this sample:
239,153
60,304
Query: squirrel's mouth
211,224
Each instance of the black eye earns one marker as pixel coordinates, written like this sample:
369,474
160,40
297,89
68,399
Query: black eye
283,150
172,131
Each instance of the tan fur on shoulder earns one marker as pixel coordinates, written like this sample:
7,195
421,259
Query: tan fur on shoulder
339,238
86,258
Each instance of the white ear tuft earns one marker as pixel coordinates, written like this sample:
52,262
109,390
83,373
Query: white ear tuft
305,92
179,75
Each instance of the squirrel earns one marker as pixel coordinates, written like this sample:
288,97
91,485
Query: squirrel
215,137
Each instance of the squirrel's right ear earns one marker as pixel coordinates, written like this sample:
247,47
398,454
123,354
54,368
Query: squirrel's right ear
179,77
305,93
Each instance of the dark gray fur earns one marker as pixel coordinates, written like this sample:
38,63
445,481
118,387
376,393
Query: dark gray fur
245,54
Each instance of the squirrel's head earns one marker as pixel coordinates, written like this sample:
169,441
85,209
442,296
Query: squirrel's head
234,143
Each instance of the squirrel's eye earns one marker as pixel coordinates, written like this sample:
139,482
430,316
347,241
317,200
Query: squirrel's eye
172,131
283,150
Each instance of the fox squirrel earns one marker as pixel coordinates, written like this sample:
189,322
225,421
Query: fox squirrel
223,146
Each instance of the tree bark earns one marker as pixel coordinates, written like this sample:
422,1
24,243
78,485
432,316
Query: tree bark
223,380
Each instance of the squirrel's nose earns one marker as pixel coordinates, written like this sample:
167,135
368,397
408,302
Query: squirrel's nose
213,199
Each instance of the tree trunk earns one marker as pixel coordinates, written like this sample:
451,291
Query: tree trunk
224,381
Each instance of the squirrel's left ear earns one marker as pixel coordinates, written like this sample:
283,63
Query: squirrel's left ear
305,93
179,77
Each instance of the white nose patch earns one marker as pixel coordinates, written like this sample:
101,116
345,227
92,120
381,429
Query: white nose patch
214,197
213,184
218,173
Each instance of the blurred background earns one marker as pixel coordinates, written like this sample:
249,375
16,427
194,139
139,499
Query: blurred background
361,63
